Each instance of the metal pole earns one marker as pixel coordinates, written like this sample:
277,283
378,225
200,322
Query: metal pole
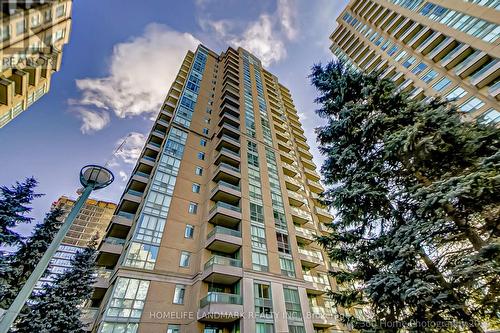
16,306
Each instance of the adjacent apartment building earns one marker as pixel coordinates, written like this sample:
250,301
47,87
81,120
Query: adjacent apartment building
93,219
32,36
445,47
215,230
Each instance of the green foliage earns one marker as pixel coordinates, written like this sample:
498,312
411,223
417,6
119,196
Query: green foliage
13,209
19,266
58,308
416,192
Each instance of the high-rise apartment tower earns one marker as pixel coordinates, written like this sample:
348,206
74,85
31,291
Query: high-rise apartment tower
32,36
445,47
215,230
93,220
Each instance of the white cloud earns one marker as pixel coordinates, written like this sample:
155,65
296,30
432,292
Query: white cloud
92,121
140,73
123,175
130,151
265,37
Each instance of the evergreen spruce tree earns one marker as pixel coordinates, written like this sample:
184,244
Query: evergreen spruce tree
19,266
416,195
58,308
13,209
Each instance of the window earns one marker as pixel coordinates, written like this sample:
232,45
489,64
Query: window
471,105
201,156
441,84
283,245
184,260
259,261
198,171
173,328
60,10
456,93
203,142
206,120
205,131
429,76
263,302
209,111
408,62
141,255
419,68
128,298
287,267
292,303
193,208
20,27
264,328
256,213
491,116
189,231
196,188
179,292
258,237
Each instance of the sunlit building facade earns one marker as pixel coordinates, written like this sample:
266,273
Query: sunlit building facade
428,48
92,221
215,230
32,36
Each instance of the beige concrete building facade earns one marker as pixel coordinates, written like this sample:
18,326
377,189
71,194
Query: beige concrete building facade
32,36
93,220
215,230
440,47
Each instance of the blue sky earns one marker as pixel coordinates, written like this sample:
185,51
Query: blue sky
118,66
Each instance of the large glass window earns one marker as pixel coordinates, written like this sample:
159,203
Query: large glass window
141,256
292,303
287,267
456,94
189,231
429,76
441,84
184,259
264,328
128,298
259,261
491,116
258,237
471,105
179,292
283,244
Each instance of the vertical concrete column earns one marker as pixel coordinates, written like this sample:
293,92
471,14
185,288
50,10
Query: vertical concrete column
304,304
280,322
248,325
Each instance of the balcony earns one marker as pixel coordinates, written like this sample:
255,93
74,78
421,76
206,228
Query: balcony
227,108
223,240
322,316
233,131
88,317
148,160
289,170
311,174
228,142
227,118
220,307
153,146
323,215
141,177
300,216
228,156
226,192
296,199
227,173
133,195
315,186
494,90
310,258
287,158
102,278
222,270
120,225
110,251
316,285
225,215
305,235
292,184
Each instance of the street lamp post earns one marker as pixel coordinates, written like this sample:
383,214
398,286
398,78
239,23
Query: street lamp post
92,177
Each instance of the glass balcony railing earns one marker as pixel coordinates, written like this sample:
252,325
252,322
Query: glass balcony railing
134,192
104,273
301,213
224,231
154,144
149,158
230,167
229,151
311,253
224,261
484,69
467,61
114,241
236,129
223,183
306,232
451,53
221,204
230,138
126,215
494,87
220,298
89,314
159,132
142,174
316,279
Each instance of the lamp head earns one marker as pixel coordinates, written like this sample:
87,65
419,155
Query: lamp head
96,176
